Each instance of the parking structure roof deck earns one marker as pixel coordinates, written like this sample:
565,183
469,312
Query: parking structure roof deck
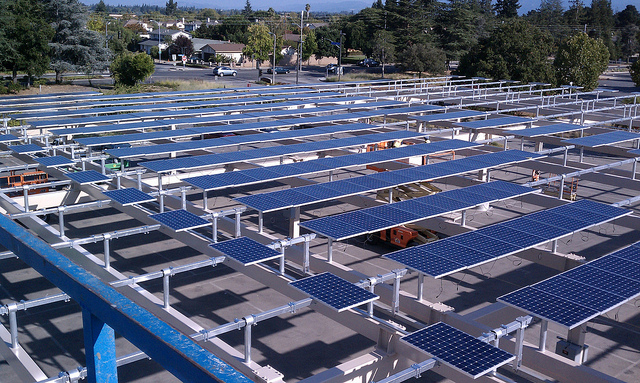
207,160
306,195
448,116
273,173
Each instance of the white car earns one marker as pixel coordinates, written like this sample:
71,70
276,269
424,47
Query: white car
224,71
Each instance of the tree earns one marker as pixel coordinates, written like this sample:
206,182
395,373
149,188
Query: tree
310,45
507,8
516,50
326,39
424,58
259,42
73,46
101,7
581,60
247,12
24,37
131,68
171,8
182,45
634,70
384,48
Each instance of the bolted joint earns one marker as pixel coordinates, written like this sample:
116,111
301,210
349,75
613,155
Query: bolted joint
250,320
416,370
168,272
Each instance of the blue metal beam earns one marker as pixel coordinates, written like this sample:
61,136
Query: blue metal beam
176,352
100,350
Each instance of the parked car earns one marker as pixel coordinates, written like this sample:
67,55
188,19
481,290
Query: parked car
279,70
368,63
224,71
332,68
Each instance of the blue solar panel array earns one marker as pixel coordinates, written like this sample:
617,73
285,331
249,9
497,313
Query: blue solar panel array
343,226
495,122
272,173
309,194
458,349
164,104
448,116
27,148
582,293
334,291
546,130
180,220
128,196
191,162
54,161
8,138
474,248
603,139
246,251
87,177
259,108
226,141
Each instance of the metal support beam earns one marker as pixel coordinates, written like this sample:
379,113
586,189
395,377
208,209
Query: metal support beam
390,195
61,210
25,194
463,219
100,349
214,229
13,324
205,203
166,273
107,255
396,290
420,287
249,321
260,221
183,196
554,246
282,261
372,288
517,363
237,221
544,325
330,250
173,350
634,168
294,222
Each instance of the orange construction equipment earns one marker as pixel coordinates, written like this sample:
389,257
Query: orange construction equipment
407,235
29,178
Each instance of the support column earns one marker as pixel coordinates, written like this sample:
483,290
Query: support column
260,221
330,250
543,335
214,229
205,203
100,349
294,222
61,220
420,286
25,194
463,220
581,154
107,250
237,221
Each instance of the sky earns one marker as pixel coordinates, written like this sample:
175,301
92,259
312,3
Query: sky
318,5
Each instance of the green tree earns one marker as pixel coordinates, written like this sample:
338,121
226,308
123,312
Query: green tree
74,47
24,37
247,12
101,7
581,60
384,48
516,50
326,36
424,58
460,25
310,45
634,70
259,42
131,68
171,7
507,8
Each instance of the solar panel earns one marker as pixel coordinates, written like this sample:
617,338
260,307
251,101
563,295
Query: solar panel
598,208
332,227
521,239
450,116
8,138
478,242
54,161
495,122
128,196
549,307
87,177
246,251
261,202
631,253
603,280
179,220
585,295
548,217
603,139
26,149
334,291
457,349
619,266
546,130
416,258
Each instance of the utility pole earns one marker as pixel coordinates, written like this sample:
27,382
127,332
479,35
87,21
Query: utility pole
273,66
340,58
299,65
159,49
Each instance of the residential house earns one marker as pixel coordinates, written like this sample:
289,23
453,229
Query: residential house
158,37
231,50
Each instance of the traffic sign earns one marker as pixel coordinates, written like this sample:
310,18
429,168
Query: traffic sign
184,58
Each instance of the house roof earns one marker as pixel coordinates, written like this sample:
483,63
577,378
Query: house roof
198,44
227,48
291,37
